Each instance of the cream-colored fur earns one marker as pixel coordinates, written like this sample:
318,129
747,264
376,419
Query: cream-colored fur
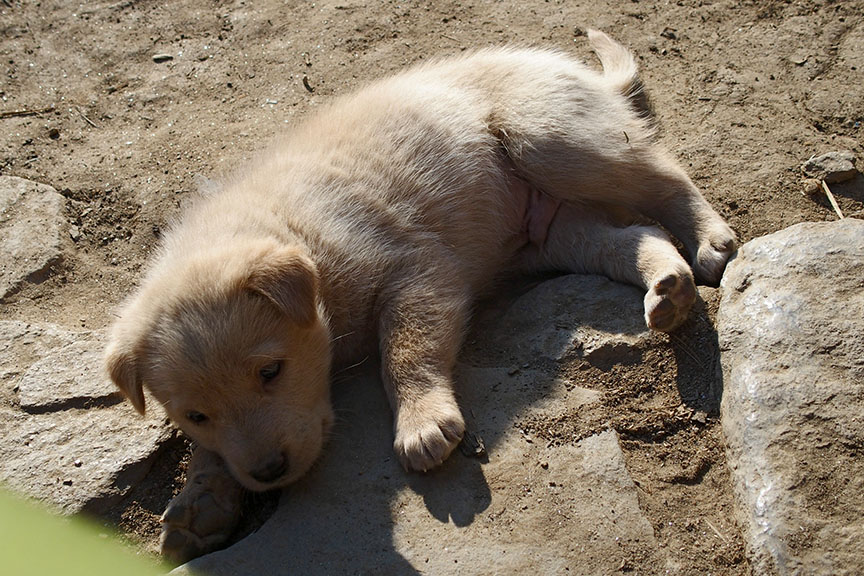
373,226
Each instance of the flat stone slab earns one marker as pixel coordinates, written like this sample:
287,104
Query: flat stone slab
528,507
596,319
78,459
32,227
52,366
67,437
791,333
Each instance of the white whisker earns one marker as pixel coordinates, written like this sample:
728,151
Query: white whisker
341,336
351,366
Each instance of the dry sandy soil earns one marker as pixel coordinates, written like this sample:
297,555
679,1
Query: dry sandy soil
141,101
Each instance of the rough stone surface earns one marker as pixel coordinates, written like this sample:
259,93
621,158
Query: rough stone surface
32,227
473,516
470,517
593,317
67,438
53,366
831,167
791,331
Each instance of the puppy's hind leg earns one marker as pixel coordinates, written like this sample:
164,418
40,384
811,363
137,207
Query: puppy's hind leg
639,177
672,199
205,513
592,141
583,240
666,194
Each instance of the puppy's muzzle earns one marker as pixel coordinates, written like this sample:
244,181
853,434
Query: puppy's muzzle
273,469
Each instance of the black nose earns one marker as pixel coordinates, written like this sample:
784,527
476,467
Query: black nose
273,469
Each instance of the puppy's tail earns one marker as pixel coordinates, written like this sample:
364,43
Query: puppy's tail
620,69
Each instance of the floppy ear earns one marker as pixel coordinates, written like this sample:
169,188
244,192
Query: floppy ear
289,279
121,362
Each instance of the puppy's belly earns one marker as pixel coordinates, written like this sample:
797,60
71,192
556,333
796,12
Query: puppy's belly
539,213
535,211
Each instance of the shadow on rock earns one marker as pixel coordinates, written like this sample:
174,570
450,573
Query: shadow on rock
456,493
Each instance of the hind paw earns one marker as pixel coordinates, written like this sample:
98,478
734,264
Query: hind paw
713,254
668,300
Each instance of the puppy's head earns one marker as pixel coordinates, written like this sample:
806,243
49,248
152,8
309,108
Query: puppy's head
231,342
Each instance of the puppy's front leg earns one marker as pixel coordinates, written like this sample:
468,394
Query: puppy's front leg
205,513
421,325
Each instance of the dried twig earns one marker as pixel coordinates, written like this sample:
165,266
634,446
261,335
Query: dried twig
107,7
86,119
832,200
25,112
472,445
687,349
716,531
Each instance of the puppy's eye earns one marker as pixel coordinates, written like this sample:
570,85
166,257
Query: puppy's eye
270,371
196,417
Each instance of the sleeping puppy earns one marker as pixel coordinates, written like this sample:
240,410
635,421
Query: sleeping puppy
371,228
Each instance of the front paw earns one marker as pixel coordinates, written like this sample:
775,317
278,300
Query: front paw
203,515
427,430
669,299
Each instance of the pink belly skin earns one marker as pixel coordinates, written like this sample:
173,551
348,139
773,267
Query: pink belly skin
538,212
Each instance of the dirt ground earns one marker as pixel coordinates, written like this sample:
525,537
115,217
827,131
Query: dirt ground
139,102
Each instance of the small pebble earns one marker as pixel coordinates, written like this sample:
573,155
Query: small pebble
472,445
159,58
811,186
307,85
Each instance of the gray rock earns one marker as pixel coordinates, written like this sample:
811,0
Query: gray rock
53,367
32,227
831,167
530,506
78,459
67,438
791,331
469,517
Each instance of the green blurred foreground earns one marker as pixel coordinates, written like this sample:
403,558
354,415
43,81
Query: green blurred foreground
33,542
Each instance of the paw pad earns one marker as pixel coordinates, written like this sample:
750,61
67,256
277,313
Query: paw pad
668,301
